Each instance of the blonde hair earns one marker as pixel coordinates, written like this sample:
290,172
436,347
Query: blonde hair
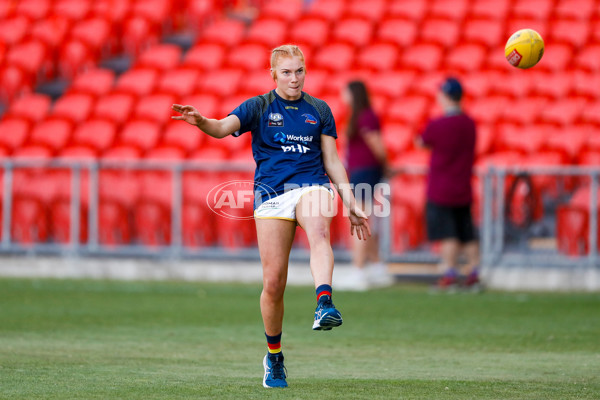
286,50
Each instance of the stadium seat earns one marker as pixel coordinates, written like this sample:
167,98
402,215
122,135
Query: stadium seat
204,57
328,10
518,21
97,82
32,107
572,230
33,9
422,57
329,56
156,108
530,109
427,83
397,31
14,132
410,110
122,154
250,57
97,34
536,9
158,11
407,9
178,82
198,225
115,107
563,112
118,194
452,10
210,154
569,141
511,138
14,81
489,109
315,82
439,31
142,134
74,57
391,84
221,83
591,113
486,139
32,56
310,32
574,9
96,134
556,85
137,81
51,30
138,34
75,107
373,10
572,32
489,32
205,104
398,138
161,57
378,57
73,9
557,58
14,30
480,84
356,32
152,211
466,58
284,10
257,82
227,32
54,134
183,136
588,58
490,9
269,32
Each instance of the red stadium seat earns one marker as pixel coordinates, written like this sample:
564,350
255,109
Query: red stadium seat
555,85
14,81
156,108
161,57
267,32
591,113
480,83
575,9
378,57
250,56
14,132
329,10
515,84
519,21
257,82
139,33
489,32
563,112
440,31
511,138
184,136
569,141
32,56
198,227
588,58
53,134
73,9
427,84
466,58
356,32
329,56
205,57
493,9
165,154
96,134
486,138
537,9
52,30
227,32
96,82
152,212
32,107
97,34
391,84
178,82
530,109
408,9
572,32
142,134
14,30
116,107
310,32
373,10
572,230
453,10
157,11
398,138
210,154
138,81
422,57
73,107
122,153
228,104
315,82
33,9
409,109
285,10
558,57
74,57
398,31
222,83
118,196
489,109
204,103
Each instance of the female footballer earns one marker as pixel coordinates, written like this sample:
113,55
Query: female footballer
293,143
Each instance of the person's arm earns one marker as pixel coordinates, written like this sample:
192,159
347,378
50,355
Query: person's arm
337,173
375,143
217,128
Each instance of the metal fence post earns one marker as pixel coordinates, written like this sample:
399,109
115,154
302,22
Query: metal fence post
177,210
593,233
499,220
7,204
93,210
486,226
385,227
75,205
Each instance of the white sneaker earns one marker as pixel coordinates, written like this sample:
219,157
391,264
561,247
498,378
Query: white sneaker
378,275
355,280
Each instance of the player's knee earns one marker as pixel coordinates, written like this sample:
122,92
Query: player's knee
318,235
273,287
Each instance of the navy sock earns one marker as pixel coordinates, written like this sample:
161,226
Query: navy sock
323,290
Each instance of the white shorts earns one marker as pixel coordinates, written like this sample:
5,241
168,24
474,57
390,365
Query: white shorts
284,205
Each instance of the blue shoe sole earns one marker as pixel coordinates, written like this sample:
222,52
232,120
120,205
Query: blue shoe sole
326,323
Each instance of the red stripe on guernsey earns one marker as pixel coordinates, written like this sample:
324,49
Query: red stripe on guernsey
323,293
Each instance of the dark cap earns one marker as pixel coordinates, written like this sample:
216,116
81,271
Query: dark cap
452,88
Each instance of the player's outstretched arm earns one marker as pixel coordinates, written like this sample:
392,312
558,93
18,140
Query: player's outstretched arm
337,173
218,128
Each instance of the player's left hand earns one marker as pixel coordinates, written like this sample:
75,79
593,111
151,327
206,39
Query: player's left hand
359,223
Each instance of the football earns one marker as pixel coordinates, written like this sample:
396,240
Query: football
524,48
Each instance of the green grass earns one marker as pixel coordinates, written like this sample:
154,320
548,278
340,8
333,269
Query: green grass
168,340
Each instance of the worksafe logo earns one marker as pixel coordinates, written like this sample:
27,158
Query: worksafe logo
235,199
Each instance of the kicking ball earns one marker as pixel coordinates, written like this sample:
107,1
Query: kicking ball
524,48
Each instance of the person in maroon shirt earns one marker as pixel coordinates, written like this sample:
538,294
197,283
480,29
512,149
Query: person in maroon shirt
451,139
365,162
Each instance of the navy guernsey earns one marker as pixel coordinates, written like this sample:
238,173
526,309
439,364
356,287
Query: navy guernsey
286,141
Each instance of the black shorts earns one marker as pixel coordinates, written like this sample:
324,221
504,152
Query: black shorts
363,182
445,222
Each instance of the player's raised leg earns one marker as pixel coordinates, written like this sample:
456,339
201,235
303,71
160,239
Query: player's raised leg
314,212
275,237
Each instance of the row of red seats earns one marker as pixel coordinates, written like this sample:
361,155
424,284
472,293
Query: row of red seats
573,223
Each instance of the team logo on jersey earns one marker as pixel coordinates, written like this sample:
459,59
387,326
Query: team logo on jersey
275,119
309,119
280,137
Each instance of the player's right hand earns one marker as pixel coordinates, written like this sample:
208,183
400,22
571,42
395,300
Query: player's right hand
188,114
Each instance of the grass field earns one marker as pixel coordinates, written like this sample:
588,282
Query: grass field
169,340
